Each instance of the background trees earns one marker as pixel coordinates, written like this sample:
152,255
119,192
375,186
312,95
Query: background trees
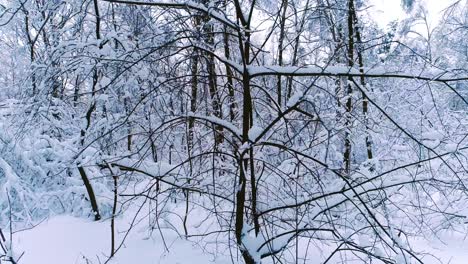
275,126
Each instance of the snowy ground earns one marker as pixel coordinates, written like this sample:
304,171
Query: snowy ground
69,240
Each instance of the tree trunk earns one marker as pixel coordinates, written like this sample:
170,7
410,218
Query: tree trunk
244,47
229,75
349,91
89,113
89,189
207,29
284,6
365,101
296,48
31,51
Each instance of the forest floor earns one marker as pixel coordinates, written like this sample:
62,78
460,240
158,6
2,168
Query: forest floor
71,240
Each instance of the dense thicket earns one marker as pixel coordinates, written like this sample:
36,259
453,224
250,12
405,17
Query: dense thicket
277,129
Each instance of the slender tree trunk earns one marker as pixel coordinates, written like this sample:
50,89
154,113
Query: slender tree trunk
349,91
76,90
89,113
191,126
31,51
229,75
193,98
82,171
129,127
296,48
244,47
114,210
284,7
89,189
338,40
98,37
98,19
215,101
207,29
362,80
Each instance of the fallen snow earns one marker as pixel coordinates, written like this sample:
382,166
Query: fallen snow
70,240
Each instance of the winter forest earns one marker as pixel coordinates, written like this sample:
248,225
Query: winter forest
233,131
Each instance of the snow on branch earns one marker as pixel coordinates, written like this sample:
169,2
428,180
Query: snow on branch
345,71
217,121
155,169
184,5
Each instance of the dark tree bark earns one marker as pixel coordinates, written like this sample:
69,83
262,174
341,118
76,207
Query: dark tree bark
207,31
229,76
349,90
89,114
31,50
284,6
91,196
247,112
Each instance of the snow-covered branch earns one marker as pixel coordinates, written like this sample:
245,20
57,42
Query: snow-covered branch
345,71
183,5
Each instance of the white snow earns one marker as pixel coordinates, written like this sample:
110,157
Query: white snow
156,169
295,98
192,5
217,121
69,240
430,74
254,133
66,239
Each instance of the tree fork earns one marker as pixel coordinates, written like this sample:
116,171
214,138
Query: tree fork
244,48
